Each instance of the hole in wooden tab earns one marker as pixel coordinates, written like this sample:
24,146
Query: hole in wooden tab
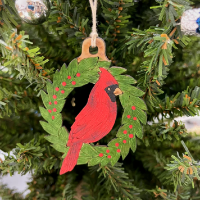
93,50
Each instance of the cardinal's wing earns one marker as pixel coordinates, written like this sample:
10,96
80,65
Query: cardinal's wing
89,121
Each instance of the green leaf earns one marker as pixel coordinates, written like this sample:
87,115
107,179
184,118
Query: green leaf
124,98
45,99
125,150
63,134
137,128
115,158
73,68
83,160
122,79
89,150
45,114
104,64
50,89
132,143
87,64
60,105
55,140
49,128
57,122
60,148
137,102
94,161
131,90
141,115
104,161
117,70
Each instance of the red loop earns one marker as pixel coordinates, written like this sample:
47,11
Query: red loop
118,150
55,102
69,77
49,111
50,103
130,126
134,118
116,144
63,91
54,110
54,96
128,116
53,117
107,151
124,141
101,155
109,156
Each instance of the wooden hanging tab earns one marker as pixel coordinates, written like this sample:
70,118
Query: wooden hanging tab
86,50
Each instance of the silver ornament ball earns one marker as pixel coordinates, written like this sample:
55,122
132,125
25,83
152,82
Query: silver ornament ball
33,11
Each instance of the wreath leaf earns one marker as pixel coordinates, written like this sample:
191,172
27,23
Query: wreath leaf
79,74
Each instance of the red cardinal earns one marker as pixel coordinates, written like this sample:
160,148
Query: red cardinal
95,120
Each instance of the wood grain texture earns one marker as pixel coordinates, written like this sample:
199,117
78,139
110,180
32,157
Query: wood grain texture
86,50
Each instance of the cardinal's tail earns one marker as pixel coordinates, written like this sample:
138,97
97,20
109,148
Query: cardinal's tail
71,159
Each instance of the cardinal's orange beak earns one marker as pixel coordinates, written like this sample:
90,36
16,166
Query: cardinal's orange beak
117,92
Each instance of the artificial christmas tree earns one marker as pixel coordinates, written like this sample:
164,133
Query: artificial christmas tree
145,39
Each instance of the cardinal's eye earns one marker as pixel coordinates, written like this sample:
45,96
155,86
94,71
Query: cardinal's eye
109,89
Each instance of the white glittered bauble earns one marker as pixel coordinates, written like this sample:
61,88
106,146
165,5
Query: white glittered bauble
189,25
33,11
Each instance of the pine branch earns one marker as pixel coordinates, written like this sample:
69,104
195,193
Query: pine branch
159,132
184,170
114,181
17,55
9,194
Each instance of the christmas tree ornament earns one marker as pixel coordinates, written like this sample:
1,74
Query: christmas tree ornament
33,11
98,116
190,22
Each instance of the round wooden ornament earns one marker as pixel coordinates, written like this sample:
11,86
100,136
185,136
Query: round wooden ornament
97,118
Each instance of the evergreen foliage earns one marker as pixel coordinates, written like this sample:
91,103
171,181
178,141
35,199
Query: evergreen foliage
144,38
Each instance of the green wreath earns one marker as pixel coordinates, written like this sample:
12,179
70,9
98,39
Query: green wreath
77,75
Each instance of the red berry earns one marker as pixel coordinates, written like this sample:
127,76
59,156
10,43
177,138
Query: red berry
64,83
107,151
124,141
49,111
50,103
73,82
55,102
57,89
53,117
63,91
54,110
69,77
109,156
130,126
116,144
128,116
134,118
133,107
78,74
101,155
54,96
130,135
125,132
118,150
